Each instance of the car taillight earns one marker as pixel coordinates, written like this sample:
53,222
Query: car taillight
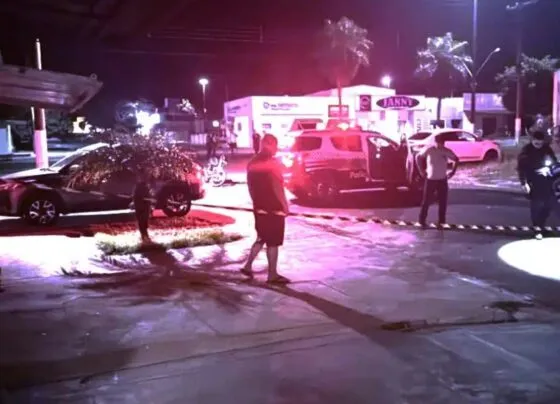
10,186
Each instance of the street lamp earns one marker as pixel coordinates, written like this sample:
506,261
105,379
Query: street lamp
474,83
518,7
203,83
386,81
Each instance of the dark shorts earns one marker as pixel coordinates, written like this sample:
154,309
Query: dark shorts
270,229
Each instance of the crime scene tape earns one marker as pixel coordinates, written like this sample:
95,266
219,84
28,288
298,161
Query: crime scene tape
323,216
391,222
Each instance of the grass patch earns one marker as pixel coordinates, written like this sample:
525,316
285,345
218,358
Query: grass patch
130,243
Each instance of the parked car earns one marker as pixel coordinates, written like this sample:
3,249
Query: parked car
320,164
467,146
40,195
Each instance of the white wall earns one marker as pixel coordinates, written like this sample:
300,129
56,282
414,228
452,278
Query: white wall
238,119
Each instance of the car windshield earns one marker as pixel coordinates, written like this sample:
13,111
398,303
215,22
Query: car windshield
420,136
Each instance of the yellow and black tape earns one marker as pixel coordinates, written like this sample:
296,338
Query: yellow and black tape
375,220
393,222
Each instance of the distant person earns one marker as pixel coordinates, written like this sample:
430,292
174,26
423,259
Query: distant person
143,205
531,160
209,145
433,162
266,187
256,141
232,143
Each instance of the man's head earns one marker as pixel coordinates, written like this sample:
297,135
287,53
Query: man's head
440,141
538,139
269,144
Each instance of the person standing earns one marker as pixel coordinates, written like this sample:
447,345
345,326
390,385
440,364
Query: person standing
433,162
266,187
531,168
143,206
256,141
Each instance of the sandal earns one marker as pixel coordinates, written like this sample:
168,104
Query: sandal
279,280
247,272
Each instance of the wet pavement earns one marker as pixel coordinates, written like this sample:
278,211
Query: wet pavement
186,327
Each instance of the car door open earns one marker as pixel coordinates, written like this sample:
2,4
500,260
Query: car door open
386,162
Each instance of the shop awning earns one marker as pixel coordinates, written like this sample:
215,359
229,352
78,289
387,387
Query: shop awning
42,88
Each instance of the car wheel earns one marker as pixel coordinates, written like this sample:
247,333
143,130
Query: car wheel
218,178
325,190
490,155
41,210
175,202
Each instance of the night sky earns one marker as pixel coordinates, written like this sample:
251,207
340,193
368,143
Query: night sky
273,48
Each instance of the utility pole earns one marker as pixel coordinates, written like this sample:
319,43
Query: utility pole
40,133
474,68
518,7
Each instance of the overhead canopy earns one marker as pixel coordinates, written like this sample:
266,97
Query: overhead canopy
42,88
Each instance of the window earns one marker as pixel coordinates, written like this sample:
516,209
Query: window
350,143
420,136
306,143
379,142
449,136
464,136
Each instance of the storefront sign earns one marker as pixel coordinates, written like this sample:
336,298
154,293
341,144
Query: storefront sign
398,102
280,106
335,112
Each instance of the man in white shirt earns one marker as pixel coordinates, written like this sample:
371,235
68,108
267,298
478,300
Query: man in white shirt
433,162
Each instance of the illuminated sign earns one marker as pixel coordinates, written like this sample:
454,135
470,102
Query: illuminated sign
335,112
398,102
280,106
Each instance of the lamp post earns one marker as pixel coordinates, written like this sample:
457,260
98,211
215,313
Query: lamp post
473,74
203,83
518,7
386,81
474,50
38,114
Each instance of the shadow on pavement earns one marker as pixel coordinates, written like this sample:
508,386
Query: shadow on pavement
164,278
88,224
405,199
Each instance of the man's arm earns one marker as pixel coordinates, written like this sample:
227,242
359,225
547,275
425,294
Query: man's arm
278,186
522,160
550,153
420,161
455,160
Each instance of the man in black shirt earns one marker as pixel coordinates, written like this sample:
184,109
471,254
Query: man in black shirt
266,187
533,158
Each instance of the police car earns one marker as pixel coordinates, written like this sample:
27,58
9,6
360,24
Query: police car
321,164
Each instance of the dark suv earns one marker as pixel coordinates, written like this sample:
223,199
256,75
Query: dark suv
40,195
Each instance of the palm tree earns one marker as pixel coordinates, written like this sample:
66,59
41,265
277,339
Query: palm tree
443,61
344,48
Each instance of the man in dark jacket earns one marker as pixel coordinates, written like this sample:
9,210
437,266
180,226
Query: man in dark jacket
266,187
533,158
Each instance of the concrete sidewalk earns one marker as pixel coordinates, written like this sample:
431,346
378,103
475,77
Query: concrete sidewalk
186,327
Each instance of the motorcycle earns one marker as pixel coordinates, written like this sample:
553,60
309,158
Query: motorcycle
215,172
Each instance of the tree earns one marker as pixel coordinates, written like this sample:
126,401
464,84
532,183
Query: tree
443,61
344,48
132,151
537,79
133,154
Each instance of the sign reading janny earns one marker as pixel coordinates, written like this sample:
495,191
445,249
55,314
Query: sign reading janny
398,102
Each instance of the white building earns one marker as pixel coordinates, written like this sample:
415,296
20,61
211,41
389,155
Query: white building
367,106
